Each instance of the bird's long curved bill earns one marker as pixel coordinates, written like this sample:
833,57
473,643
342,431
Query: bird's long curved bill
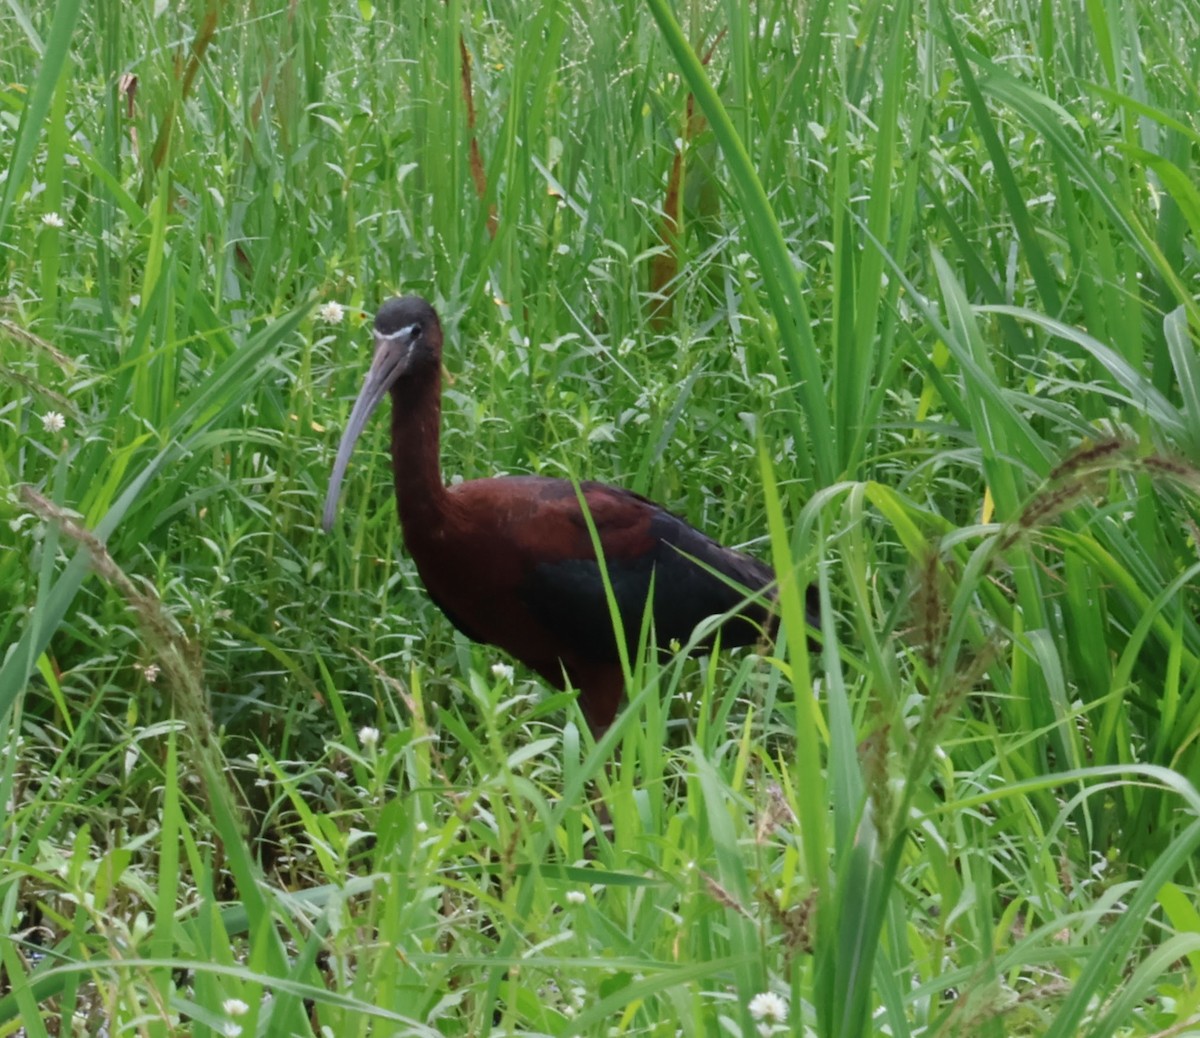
388,364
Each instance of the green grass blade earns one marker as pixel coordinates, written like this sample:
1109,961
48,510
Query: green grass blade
55,60
781,282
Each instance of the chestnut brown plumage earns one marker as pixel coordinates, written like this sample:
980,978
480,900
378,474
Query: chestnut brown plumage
510,560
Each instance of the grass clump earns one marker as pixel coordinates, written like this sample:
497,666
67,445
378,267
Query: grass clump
902,297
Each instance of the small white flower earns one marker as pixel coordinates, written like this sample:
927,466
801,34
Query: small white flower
52,220
231,1030
235,1007
368,737
422,828
503,670
53,422
768,1007
150,673
331,312
576,897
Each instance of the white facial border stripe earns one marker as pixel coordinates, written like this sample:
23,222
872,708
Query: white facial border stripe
407,330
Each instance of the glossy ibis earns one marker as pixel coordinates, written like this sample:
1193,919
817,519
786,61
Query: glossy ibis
510,560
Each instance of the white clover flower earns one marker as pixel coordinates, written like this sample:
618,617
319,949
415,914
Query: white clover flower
331,312
576,897
53,422
52,220
235,1007
368,737
503,670
768,1008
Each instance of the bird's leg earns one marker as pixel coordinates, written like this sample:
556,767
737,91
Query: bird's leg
601,689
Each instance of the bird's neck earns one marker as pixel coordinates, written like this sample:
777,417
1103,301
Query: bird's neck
421,496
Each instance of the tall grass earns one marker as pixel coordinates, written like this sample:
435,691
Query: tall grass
902,296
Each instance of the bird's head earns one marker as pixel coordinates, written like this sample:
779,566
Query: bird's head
408,335
408,341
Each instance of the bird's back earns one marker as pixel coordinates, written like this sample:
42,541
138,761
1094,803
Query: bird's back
541,548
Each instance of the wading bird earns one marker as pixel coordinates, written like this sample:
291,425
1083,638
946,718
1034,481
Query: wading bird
510,559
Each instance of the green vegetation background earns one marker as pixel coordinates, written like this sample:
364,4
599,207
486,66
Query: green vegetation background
901,296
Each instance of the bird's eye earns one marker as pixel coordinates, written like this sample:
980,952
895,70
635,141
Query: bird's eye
414,329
